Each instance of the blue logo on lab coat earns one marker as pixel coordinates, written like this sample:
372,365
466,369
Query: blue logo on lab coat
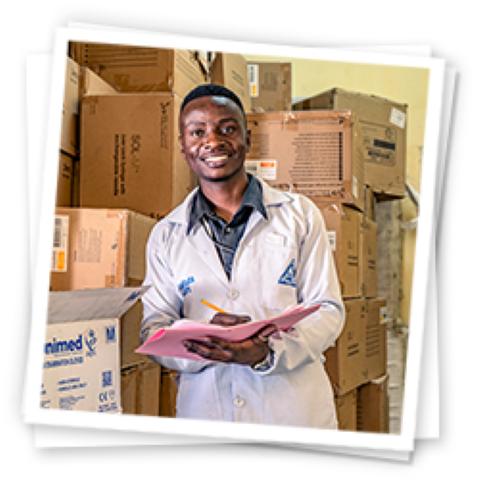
184,286
288,276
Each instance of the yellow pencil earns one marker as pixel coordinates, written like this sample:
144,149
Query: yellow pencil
213,307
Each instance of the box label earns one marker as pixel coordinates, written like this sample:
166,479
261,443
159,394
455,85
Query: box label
253,80
81,366
60,244
332,238
266,169
383,315
397,118
380,144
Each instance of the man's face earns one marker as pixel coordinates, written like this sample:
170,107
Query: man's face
213,138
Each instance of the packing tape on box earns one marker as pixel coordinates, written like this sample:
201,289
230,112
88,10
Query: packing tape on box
290,122
380,380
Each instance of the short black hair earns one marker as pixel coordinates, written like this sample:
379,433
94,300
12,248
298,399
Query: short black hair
211,90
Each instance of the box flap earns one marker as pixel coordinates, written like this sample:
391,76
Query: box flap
89,304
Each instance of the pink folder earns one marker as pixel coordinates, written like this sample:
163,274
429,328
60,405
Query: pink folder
168,341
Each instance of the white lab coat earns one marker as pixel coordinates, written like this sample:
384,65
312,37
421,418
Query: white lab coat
182,269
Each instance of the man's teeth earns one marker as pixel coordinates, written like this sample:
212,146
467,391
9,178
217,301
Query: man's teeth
216,159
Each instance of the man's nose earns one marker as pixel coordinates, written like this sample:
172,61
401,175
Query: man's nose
213,139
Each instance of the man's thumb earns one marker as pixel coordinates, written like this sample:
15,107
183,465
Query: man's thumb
266,332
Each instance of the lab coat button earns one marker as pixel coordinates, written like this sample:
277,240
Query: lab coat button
233,294
238,402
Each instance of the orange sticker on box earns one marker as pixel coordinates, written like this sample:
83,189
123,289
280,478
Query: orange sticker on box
267,164
61,261
60,243
266,169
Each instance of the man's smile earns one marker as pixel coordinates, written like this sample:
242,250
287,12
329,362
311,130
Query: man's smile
216,161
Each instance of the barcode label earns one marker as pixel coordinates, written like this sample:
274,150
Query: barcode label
251,166
332,238
383,315
397,118
253,79
57,234
60,244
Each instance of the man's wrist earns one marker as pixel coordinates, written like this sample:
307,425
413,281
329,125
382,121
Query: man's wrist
264,364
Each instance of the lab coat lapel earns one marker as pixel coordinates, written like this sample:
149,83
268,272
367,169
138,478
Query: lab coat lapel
203,246
198,239
271,198
255,217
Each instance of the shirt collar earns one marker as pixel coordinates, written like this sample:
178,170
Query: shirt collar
253,197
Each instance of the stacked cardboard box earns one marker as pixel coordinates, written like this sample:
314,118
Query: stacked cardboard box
79,81
129,153
83,348
128,134
270,86
168,401
344,234
384,131
68,136
372,406
346,406
131,69
230,70
140,389
317,154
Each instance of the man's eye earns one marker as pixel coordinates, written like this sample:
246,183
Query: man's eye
228,129
196,133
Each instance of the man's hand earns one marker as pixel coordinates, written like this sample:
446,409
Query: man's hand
246,352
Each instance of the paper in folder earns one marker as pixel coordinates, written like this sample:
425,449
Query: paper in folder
168,341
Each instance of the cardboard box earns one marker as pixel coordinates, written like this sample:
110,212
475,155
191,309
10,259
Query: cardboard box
372,406
343,229
317,154
140,387
129,153
375,338
97,248
78,82
64,181
345,361
128,389
384,130
230,70
81,368
69,131
270,86
141,69
368,257
346,406
92,84
168,400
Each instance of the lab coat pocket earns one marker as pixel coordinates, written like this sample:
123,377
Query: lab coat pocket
278,287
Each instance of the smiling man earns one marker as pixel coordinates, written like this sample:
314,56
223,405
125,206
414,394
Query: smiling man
252,251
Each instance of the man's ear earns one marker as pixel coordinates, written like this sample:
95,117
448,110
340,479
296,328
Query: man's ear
180,145
248,137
